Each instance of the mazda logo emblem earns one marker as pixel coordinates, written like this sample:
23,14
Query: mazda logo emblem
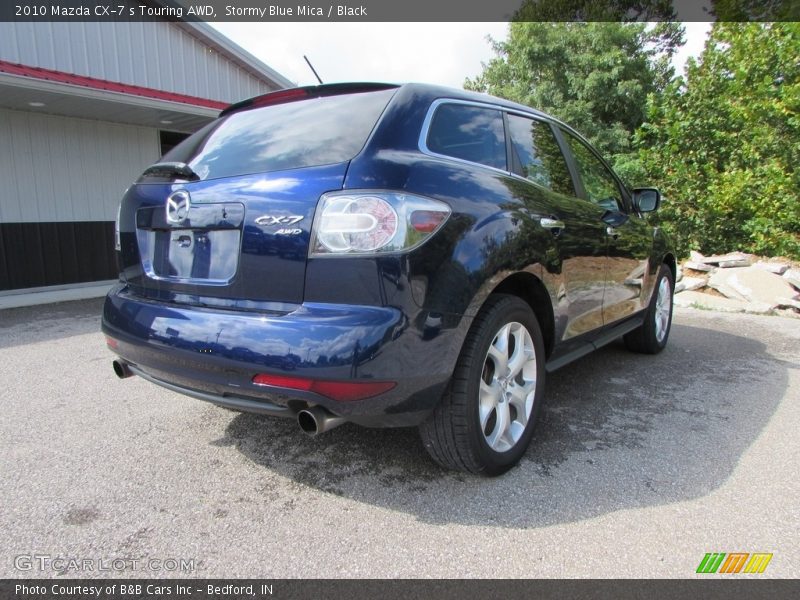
178,204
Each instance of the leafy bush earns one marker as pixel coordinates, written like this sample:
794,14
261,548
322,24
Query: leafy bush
724,143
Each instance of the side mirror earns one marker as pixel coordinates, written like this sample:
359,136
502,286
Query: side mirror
646,199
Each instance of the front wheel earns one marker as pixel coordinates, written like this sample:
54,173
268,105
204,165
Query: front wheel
486,418
651,337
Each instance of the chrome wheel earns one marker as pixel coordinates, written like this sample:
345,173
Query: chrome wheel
663,309
507,387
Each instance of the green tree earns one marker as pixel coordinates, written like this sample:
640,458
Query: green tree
594,76
756,10
724,143
592,10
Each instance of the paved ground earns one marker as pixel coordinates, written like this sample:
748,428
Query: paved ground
640,466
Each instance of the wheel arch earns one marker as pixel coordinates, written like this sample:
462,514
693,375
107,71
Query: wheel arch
671,262
530,288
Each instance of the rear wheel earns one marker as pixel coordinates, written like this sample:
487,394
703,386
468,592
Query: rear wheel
486,418
651,337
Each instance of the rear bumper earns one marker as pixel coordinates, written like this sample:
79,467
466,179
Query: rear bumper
227,401
213,354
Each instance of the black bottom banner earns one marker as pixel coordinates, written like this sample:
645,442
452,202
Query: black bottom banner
338,589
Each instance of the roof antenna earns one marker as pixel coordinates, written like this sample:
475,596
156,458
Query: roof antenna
313,70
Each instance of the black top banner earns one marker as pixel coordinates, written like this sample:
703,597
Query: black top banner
407,10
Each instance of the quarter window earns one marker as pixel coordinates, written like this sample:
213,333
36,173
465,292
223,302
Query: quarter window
537,156
470,133
601,187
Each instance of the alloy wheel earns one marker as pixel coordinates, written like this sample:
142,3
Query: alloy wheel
507,387
663,309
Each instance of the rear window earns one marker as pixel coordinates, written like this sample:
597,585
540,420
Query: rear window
304,133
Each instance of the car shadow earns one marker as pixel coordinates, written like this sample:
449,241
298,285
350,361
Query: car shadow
48,323
617,431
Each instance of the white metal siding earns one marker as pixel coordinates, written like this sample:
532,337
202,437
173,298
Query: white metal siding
64,169
157,55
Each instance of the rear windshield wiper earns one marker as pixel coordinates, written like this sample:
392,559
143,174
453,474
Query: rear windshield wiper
171,170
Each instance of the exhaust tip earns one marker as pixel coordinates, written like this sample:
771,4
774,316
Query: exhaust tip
308,422
316,420
121,369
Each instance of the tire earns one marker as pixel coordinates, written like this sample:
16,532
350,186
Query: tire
486,418
651,337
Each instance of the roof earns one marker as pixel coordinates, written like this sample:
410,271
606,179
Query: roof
441,91
59,88
304,92
103,84
426,89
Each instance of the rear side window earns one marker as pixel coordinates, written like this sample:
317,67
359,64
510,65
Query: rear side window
470,133
537,156
304,133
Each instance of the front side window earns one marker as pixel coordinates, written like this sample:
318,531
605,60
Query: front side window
537,156
470,133
601,187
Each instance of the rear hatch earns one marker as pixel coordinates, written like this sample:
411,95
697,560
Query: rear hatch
225,217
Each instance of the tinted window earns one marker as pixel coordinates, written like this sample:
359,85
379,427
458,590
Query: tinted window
600,185
537,156
469,132
317,131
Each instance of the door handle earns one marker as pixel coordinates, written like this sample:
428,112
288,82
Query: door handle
612,232
553,224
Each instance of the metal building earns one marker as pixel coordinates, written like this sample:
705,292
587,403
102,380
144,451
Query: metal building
84,108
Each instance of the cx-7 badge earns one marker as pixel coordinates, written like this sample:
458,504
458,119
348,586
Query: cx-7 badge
282,220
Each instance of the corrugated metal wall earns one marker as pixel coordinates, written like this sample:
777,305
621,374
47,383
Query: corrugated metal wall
62,177
62,182
63,169
152,54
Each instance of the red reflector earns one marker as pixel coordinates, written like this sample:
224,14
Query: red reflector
351,390
342,391
296,383
112,343
425,221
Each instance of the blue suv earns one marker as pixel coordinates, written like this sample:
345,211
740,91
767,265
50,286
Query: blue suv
385,255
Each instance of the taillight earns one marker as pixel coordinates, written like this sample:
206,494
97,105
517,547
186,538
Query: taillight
374,222
342,391
427,221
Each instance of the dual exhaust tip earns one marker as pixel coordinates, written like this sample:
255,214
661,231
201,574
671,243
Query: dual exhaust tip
312,421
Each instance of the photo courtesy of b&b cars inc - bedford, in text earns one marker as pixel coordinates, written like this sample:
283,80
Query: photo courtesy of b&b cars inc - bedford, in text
398,300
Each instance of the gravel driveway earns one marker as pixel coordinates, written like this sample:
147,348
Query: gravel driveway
640,465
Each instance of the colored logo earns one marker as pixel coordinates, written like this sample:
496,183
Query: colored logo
734,562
